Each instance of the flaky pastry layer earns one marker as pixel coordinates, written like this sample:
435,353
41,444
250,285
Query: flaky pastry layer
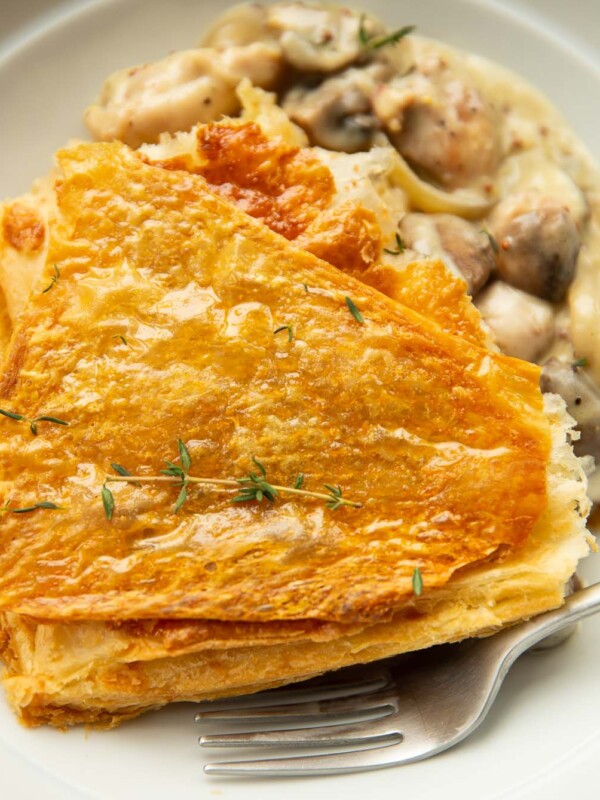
102,674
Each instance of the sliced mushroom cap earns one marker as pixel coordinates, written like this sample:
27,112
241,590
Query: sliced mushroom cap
337,115
463,247
442,127
582,397
522,325
538,251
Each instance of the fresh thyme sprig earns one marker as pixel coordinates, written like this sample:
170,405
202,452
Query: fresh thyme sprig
252,487
354,311
55,278
287,328
47,504
377,42
32,421
400,247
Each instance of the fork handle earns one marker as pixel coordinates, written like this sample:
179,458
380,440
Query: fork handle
578,605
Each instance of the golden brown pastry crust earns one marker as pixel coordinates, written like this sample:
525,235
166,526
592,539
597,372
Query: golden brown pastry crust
103,672
283,185
399,413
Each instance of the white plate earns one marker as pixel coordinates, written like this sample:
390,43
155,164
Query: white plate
542,739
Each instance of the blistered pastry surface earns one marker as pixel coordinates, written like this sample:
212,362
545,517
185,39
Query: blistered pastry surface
443,442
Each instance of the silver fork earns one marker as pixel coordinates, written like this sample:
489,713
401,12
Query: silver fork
397,711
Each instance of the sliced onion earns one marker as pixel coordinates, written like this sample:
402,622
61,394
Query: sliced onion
425,197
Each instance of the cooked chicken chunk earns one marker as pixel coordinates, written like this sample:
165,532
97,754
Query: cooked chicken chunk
136,105
522,325
442,126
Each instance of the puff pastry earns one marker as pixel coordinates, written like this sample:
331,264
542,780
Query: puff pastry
159,324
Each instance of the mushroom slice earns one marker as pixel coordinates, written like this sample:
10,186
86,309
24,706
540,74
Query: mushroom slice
522,325
337,114
538,252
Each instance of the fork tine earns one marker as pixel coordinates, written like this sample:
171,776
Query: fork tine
300,694
312,710
271,726
330,735
372,758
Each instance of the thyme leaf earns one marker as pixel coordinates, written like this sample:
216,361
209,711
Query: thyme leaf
299,481
181,498
392,38
184,453
108,501
33,422
11,415
400,247
377,42
581,362
255,487
287,328
417,582
28,509
260,466
354,311
120,470
121,337
492,240
55,278
363,36
335,499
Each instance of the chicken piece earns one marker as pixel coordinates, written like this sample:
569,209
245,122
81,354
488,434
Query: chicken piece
319,39
522,325
444,128
136,105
